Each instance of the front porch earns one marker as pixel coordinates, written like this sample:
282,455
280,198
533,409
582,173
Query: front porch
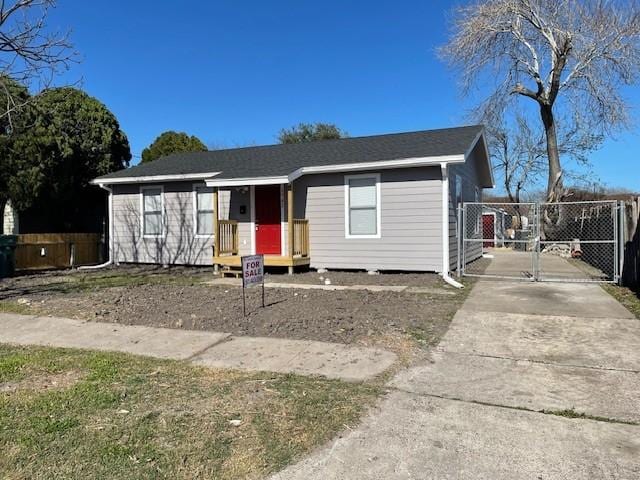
233,261
294,250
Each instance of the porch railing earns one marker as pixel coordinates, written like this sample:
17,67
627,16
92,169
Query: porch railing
228,237
229,240
300,237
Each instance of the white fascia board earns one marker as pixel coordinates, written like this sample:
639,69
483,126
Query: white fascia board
154,178
473,143
240,182
486,152
379,165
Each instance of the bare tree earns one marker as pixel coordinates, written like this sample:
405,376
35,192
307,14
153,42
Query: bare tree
517,155
30,53
518,150
568,56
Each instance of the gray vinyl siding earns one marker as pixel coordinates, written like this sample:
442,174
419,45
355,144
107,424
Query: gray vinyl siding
411,228
410,208
470,176
179,245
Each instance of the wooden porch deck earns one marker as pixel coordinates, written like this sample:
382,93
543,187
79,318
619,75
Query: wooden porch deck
269,261
226,251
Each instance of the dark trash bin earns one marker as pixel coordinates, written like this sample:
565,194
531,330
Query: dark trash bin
8,255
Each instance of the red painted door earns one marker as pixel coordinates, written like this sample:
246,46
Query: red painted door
488,230
268,229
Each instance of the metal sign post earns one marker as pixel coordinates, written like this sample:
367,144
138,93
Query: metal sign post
252,275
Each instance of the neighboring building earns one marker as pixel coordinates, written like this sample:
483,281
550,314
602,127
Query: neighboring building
10,225
384,202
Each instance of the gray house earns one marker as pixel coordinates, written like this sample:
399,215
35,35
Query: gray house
383,202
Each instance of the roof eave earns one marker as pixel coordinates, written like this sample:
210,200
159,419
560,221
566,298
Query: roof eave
153,178
246,181
282,179
481,136
378,165
346,167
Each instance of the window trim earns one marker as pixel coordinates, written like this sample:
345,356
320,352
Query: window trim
195,187
162,211
347,207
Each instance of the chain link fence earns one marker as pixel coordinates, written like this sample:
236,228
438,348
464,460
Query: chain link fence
585,235
569,241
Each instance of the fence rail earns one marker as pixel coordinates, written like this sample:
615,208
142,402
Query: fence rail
39,251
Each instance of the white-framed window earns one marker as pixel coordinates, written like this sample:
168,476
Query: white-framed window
152,209
203,211
362,206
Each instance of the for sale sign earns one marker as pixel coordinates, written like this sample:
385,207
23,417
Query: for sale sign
252,270
252,274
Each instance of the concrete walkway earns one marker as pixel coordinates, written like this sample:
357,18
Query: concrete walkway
489,403
209,349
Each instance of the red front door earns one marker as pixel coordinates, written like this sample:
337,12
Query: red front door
488,230
268,229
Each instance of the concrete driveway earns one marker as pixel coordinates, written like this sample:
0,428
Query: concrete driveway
494,400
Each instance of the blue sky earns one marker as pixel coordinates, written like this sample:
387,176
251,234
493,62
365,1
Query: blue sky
235,73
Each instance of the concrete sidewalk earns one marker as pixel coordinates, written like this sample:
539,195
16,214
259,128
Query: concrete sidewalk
493,399
209,349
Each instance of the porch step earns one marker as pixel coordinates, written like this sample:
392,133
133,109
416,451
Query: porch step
230,271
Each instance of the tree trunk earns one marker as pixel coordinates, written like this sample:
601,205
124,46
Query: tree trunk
555,190
3,204
552,215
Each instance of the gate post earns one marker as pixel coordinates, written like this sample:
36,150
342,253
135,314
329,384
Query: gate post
616,251
536,246
463,257
620,241
460,242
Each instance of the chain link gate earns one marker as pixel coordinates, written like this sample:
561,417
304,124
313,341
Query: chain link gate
567,241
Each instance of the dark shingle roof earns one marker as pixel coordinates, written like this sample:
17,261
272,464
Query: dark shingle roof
281,160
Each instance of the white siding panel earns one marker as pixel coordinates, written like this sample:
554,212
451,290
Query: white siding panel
179,245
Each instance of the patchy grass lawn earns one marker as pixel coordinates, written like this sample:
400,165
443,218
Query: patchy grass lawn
10,306
78,414
78,281
627,297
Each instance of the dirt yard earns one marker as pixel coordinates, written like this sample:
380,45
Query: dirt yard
359,278
176,298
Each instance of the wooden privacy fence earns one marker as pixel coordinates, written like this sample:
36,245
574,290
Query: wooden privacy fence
631,238
36,251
